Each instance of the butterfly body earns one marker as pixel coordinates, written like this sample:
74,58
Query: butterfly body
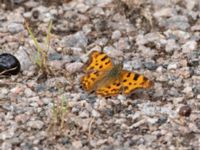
109,79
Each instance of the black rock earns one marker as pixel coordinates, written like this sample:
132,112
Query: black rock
9,64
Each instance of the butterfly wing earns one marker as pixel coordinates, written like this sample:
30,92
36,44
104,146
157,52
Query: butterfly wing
112,88
88,81
131,81
98,61
95,69
125,83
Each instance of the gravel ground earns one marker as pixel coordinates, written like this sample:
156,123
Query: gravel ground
158,38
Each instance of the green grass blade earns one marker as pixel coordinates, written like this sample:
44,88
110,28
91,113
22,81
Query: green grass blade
33,38
48,33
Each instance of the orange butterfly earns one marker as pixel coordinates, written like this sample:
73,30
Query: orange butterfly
109,79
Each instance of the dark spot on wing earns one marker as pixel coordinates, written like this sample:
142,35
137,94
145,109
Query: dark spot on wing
128,75
91,68
107,62
124,80
118,84
129,83
136,76
104,58
96,73
100,67
113,90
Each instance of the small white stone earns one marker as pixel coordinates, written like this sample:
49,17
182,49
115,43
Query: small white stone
164,12
121,97
77,144
171,46
6,145
84,114
28,92
73,67
116,34
55,64
172,66
159,69
177,100
101,141
189,46
15,27
187,89
95,113
112,52
152,120
35,124
4,91
190,4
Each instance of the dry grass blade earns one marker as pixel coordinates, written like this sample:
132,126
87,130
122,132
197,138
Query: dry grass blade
41,58
59,114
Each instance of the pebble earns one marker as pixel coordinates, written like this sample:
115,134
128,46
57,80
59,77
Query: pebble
177,22
171,46
152,121
9,64
25,61
6,145
172,66
191,4
185,111
84,114
116,35
177,100
149,139
77,144
73,67
173,92
56,64
28,92
35,124
77,40
15,27
187,89
55,56
164,12
122,44
189,46
21,118
113,52
95,113
8,133
150,65
134,64
4,91
31,4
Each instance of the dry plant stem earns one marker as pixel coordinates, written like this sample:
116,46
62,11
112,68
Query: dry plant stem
89,128
59,115
41,59
7,70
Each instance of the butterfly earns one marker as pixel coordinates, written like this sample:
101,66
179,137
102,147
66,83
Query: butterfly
108,79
